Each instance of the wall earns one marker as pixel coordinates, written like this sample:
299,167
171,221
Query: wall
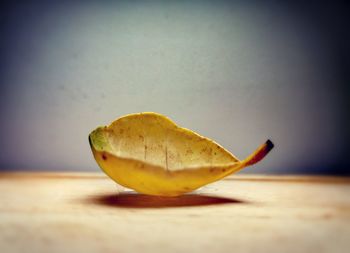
238,73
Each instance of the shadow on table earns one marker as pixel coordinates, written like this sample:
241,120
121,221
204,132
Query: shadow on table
134,200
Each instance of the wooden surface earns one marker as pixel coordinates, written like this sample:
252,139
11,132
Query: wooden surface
62,212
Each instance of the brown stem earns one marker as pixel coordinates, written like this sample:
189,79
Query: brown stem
258,154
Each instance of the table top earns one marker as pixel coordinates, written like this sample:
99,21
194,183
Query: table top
88,212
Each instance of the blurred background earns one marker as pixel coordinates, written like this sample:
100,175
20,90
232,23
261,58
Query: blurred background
234,71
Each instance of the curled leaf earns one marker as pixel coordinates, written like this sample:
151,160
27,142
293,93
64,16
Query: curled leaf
149,153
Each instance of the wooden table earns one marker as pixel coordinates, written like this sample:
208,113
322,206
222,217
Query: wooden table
84,212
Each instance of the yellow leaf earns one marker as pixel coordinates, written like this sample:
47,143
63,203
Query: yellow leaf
149,153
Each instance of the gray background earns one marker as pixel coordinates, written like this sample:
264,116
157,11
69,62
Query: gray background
237,73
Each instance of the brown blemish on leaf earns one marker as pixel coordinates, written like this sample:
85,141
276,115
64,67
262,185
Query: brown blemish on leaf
189,151
145,152
104,157
166,158
203,150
